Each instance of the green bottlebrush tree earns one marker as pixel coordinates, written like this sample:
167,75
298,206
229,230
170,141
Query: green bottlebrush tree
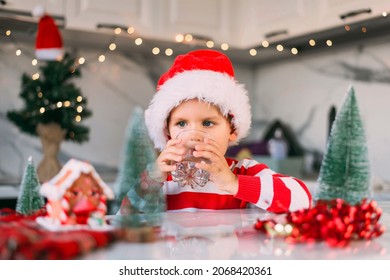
144,194
52,98
29,200
345,169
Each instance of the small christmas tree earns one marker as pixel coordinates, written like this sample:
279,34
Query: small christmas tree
29,200
53,109
345,169
145,195
51,98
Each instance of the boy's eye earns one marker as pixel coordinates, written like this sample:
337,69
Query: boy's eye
93,193
207,123
75,192
181,124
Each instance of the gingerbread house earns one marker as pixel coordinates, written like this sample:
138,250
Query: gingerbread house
76,194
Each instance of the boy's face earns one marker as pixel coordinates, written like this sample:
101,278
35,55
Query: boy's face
195,114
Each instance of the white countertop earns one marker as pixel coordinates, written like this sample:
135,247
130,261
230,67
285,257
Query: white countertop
229,234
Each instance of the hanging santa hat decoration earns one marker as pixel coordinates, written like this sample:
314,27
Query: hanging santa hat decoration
48,45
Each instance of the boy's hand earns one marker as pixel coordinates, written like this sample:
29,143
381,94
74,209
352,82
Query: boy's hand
217,166
166,160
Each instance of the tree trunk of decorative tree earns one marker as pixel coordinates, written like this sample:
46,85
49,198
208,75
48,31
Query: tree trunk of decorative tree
51,136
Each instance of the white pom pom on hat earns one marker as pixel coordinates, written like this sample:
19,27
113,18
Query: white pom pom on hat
48,44
206,75
38,11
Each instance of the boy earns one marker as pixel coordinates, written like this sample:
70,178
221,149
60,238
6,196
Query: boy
199,92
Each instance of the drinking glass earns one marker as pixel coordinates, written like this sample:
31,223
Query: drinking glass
186,173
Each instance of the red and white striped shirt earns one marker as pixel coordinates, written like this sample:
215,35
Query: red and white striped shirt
257,184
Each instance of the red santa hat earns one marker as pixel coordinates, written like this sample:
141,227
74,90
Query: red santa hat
206,75
48,45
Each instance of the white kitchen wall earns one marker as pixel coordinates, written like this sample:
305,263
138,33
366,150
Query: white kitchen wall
301,91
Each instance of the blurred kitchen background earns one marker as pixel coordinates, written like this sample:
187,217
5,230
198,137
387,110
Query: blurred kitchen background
297,59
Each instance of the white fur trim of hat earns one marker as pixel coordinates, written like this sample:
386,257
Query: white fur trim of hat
206,75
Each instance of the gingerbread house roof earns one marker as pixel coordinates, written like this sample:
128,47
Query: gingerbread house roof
56,187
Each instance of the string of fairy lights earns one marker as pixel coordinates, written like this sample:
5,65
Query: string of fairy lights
111,46
186,39
47,106
180,38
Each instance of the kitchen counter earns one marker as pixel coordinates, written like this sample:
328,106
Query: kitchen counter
229,234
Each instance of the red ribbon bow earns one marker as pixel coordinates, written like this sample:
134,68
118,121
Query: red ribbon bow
334,221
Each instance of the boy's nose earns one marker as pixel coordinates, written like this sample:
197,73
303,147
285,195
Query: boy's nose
196,138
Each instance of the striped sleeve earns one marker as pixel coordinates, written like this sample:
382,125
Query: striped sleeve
268,190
